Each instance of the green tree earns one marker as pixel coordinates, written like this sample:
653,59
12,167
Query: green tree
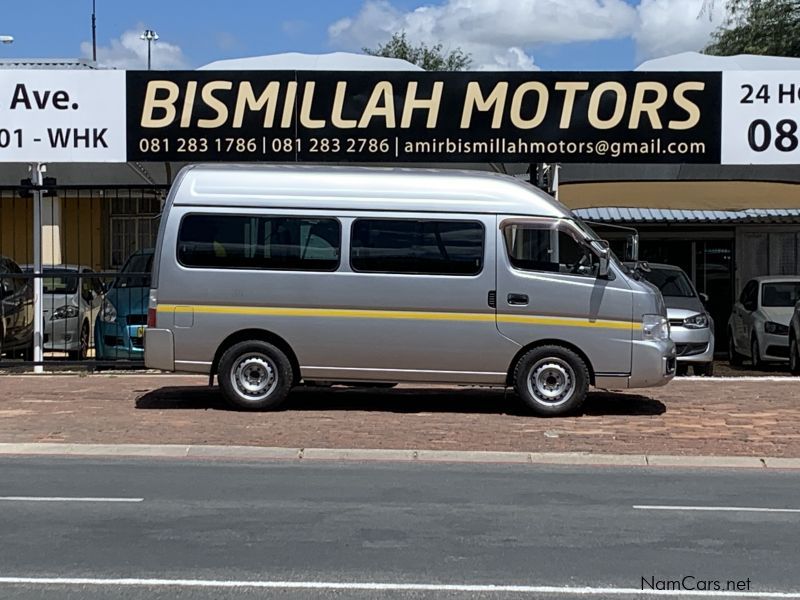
430,58
768,27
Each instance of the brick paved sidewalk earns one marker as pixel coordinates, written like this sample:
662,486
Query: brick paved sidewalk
691,417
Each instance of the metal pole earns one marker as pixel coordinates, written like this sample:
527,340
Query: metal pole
148,54
94,33
37,170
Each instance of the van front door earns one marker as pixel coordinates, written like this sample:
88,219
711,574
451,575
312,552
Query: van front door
548,289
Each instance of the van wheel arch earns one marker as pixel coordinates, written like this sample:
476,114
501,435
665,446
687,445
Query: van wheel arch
548,342
261,335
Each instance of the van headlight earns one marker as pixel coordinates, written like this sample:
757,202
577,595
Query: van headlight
655,327
776,328
64,312
698,321
108,312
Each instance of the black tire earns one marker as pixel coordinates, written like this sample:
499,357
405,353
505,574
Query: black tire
794,356
704,370
558,365
83,351
257,364
734,358
681,369
755,355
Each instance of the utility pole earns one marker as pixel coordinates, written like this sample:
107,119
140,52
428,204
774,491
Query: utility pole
94,33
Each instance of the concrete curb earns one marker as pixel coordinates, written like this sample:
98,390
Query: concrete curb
389,455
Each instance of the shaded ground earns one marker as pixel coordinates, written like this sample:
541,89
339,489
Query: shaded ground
689,416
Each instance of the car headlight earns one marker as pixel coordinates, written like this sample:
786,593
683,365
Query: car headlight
655,327
64,312
776,328
108,312
699,321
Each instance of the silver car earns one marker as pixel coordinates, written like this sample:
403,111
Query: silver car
71,299
758,328
691,327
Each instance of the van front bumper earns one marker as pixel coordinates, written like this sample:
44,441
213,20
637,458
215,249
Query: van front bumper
653,363
159,349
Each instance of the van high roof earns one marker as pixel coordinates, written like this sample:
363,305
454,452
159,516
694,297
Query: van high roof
360,188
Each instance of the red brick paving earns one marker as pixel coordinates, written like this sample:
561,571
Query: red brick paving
691,417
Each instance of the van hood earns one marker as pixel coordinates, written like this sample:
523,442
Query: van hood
778,314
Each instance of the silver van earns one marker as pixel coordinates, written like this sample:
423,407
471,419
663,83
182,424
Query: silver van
270,276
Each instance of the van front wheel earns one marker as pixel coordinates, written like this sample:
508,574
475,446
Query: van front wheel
255,375
551,380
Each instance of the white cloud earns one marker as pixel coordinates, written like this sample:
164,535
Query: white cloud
496,32
130,52
671,26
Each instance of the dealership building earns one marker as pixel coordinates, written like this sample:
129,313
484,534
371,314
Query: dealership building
723,224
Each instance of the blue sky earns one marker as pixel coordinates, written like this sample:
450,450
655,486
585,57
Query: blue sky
581,34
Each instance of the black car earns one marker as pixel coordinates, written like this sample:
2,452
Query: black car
16,311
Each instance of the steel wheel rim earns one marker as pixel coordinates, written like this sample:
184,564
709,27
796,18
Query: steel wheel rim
254,376
552,381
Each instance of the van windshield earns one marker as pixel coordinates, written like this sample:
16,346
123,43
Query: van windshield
592,235
671,282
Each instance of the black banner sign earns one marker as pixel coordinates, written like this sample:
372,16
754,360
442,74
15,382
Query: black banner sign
328,116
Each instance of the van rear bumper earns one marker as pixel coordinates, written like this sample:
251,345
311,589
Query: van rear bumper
159,349
653,365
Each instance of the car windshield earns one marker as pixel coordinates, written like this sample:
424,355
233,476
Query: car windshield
671,282
58,282
138,264
782,293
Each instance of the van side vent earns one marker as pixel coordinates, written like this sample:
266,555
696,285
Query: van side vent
493,298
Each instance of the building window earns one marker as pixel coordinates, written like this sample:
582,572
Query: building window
245,242
417,246
134,226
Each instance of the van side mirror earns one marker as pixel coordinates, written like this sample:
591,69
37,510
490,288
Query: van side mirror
703,297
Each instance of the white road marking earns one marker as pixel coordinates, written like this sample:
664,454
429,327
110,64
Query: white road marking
728,378
717,508
392,587
65,499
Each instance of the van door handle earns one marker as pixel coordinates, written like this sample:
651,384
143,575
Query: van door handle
518,299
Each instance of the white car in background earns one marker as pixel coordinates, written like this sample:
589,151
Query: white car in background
758,328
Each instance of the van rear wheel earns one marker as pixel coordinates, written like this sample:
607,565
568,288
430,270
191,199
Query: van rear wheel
255,375
551,380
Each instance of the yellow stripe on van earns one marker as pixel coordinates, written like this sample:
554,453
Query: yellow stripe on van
398,314
567,322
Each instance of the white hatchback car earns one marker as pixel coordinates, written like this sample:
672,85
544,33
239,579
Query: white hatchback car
759,324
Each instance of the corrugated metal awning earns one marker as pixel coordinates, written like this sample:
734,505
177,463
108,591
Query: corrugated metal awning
658,215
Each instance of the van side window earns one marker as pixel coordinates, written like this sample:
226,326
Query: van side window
245,242
542,248
417,246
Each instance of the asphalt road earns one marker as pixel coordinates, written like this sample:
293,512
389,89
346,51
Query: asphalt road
90,529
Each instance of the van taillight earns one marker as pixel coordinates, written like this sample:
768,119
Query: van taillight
151,317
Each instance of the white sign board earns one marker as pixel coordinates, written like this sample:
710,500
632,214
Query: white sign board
54,116
760,116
